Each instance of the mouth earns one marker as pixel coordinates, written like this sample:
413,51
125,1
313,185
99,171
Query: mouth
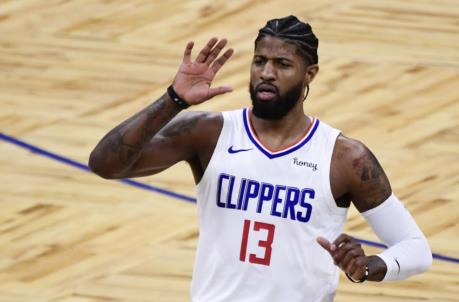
266,92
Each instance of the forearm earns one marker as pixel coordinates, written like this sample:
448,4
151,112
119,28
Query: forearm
408,251
407,258
121,147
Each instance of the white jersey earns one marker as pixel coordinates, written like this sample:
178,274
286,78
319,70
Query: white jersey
260,212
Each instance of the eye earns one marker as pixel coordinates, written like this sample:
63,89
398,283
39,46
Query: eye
258,61
284,64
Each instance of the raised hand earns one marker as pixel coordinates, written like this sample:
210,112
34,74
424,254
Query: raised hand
348,254
193,79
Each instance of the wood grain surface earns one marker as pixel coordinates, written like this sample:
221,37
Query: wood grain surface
72,70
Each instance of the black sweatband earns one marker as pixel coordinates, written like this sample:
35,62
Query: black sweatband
364,278
182,104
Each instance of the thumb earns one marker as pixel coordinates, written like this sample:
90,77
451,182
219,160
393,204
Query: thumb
219,90
326,244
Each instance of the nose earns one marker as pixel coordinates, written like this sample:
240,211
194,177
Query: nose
268,72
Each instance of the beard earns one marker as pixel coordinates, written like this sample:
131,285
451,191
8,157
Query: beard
277,108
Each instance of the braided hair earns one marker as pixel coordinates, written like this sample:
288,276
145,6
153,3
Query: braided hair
294,31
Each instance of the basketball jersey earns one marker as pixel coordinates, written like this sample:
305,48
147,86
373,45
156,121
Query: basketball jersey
260,212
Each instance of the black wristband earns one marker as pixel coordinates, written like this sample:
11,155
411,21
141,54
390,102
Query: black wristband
364,278
182,104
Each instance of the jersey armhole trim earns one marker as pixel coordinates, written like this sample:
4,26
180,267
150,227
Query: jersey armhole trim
334,209
226,117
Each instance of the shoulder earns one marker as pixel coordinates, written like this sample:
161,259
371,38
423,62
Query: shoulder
360,173
349,150
201,118
194,124
356,158
349,157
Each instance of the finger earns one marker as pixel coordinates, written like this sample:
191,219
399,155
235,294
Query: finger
187,53
326,244
350,268
343,238
216,51
358,270
206,50
219,90
341,252
351,254
353,268
222,60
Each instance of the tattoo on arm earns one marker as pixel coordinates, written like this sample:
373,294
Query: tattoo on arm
181,127
127,139
126,152
374,185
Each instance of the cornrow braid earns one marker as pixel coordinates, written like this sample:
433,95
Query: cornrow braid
294,31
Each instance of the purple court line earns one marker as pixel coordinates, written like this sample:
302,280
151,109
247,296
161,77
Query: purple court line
75,164
83,167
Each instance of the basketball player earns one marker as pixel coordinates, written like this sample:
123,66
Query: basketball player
273,184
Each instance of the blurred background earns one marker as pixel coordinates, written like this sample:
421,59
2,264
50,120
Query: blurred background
72,70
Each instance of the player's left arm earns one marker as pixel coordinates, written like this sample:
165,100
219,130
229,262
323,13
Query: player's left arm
369,189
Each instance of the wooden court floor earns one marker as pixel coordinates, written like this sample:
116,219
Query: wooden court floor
71,70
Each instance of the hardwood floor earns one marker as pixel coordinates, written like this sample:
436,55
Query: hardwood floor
72,70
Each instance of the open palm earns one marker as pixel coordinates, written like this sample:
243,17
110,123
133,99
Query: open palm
193,79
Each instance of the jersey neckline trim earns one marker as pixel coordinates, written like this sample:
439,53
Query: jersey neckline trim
274,154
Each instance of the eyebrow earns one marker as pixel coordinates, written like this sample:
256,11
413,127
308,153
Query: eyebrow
275,58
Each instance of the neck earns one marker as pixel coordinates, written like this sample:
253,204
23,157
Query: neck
279,133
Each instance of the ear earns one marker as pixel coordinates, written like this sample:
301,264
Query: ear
311,72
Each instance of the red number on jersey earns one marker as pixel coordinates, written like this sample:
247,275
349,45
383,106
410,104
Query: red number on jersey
266,259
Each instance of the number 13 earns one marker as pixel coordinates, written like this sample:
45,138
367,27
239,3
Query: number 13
266,259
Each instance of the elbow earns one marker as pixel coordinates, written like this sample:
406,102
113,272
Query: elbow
427,257
98,164
422,255
426,264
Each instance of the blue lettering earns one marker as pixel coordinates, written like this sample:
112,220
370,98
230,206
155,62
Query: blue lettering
251,184
277,200
241,193
221,177
291,200
266,193
287,202
229,205
304,204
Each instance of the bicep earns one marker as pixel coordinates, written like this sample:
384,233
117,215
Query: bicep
159,154
179,140
368,183
169,146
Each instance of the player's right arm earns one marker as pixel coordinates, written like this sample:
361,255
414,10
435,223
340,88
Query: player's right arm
153,140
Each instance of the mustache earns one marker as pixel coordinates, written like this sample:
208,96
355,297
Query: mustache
267,86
